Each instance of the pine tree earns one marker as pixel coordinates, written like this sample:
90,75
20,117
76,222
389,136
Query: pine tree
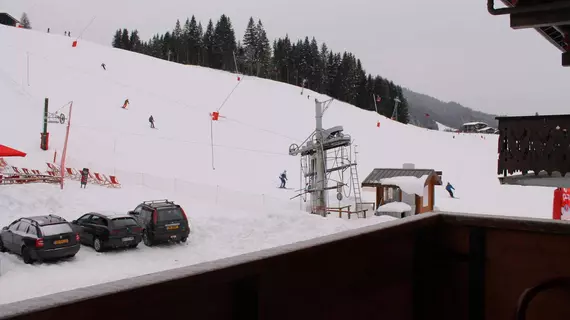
125,41
224,44
195,41
362,97
186,41
250,42
166,46
134,41
25,21
314,66
208,42
177,41
323,59
263,51
117,39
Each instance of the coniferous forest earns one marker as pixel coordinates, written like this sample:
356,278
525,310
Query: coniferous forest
302,63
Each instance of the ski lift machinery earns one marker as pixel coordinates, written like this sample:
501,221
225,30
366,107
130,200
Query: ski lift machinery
324,152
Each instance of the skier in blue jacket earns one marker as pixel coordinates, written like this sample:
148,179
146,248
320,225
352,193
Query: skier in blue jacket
449,187
283,178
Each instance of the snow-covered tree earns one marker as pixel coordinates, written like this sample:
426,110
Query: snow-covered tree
25,21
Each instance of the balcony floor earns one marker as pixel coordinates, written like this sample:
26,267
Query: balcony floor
542,180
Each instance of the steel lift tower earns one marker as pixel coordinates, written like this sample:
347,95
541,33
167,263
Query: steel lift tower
314,159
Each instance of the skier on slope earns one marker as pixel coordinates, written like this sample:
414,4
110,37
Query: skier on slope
283,178
449,187
104,66
84,177
151,120
125,104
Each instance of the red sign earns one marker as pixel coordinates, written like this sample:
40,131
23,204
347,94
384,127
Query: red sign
561,205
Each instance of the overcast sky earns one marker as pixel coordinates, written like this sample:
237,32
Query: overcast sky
452,50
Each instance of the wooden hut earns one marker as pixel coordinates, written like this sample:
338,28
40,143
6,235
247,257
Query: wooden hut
389,192
8,20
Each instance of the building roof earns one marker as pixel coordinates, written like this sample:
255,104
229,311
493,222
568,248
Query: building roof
9,16
376,175
547,17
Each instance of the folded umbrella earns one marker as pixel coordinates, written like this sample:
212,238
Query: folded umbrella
9,152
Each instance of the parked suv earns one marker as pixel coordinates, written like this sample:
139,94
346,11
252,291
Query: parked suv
40,238
162,221
108,230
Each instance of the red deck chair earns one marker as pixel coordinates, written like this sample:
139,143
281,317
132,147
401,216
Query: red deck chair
26,171
113,182
92,178
71,173
36,172
99,179
51,173
16,170
53,167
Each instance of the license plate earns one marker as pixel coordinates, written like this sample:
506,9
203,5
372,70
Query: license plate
172,237
171,227
128,239
61,241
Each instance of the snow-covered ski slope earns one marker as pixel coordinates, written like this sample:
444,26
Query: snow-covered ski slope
235,208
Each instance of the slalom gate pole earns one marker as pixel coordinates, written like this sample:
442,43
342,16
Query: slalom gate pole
212,142
64,153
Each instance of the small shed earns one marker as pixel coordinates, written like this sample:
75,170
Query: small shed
415,187
8,20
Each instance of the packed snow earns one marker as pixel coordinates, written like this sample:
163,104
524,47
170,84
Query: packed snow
394,207
408,184
231,195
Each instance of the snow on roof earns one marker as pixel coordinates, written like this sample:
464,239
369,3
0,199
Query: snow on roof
473,123
408,184
486,128
394,207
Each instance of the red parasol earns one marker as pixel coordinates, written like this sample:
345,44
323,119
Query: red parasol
9,152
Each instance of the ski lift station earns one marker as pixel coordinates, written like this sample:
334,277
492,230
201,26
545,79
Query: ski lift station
324,154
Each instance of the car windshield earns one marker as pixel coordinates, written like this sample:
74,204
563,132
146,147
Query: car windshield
55,229
124,222
170,214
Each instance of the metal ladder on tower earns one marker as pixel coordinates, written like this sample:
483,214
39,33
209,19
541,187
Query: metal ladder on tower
356,187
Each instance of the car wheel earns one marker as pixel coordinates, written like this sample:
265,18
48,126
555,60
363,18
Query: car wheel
97,244
184,239
27,256
2,248
146,239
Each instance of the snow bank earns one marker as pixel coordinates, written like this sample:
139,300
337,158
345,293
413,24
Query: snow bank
394,207
410,185
443,127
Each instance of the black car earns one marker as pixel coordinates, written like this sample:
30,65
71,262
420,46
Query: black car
162,221
108,230
40,238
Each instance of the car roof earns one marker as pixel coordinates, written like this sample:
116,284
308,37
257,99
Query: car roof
110,214
45,220
161,204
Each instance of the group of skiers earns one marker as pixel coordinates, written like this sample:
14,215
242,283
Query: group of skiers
150,119
66,33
